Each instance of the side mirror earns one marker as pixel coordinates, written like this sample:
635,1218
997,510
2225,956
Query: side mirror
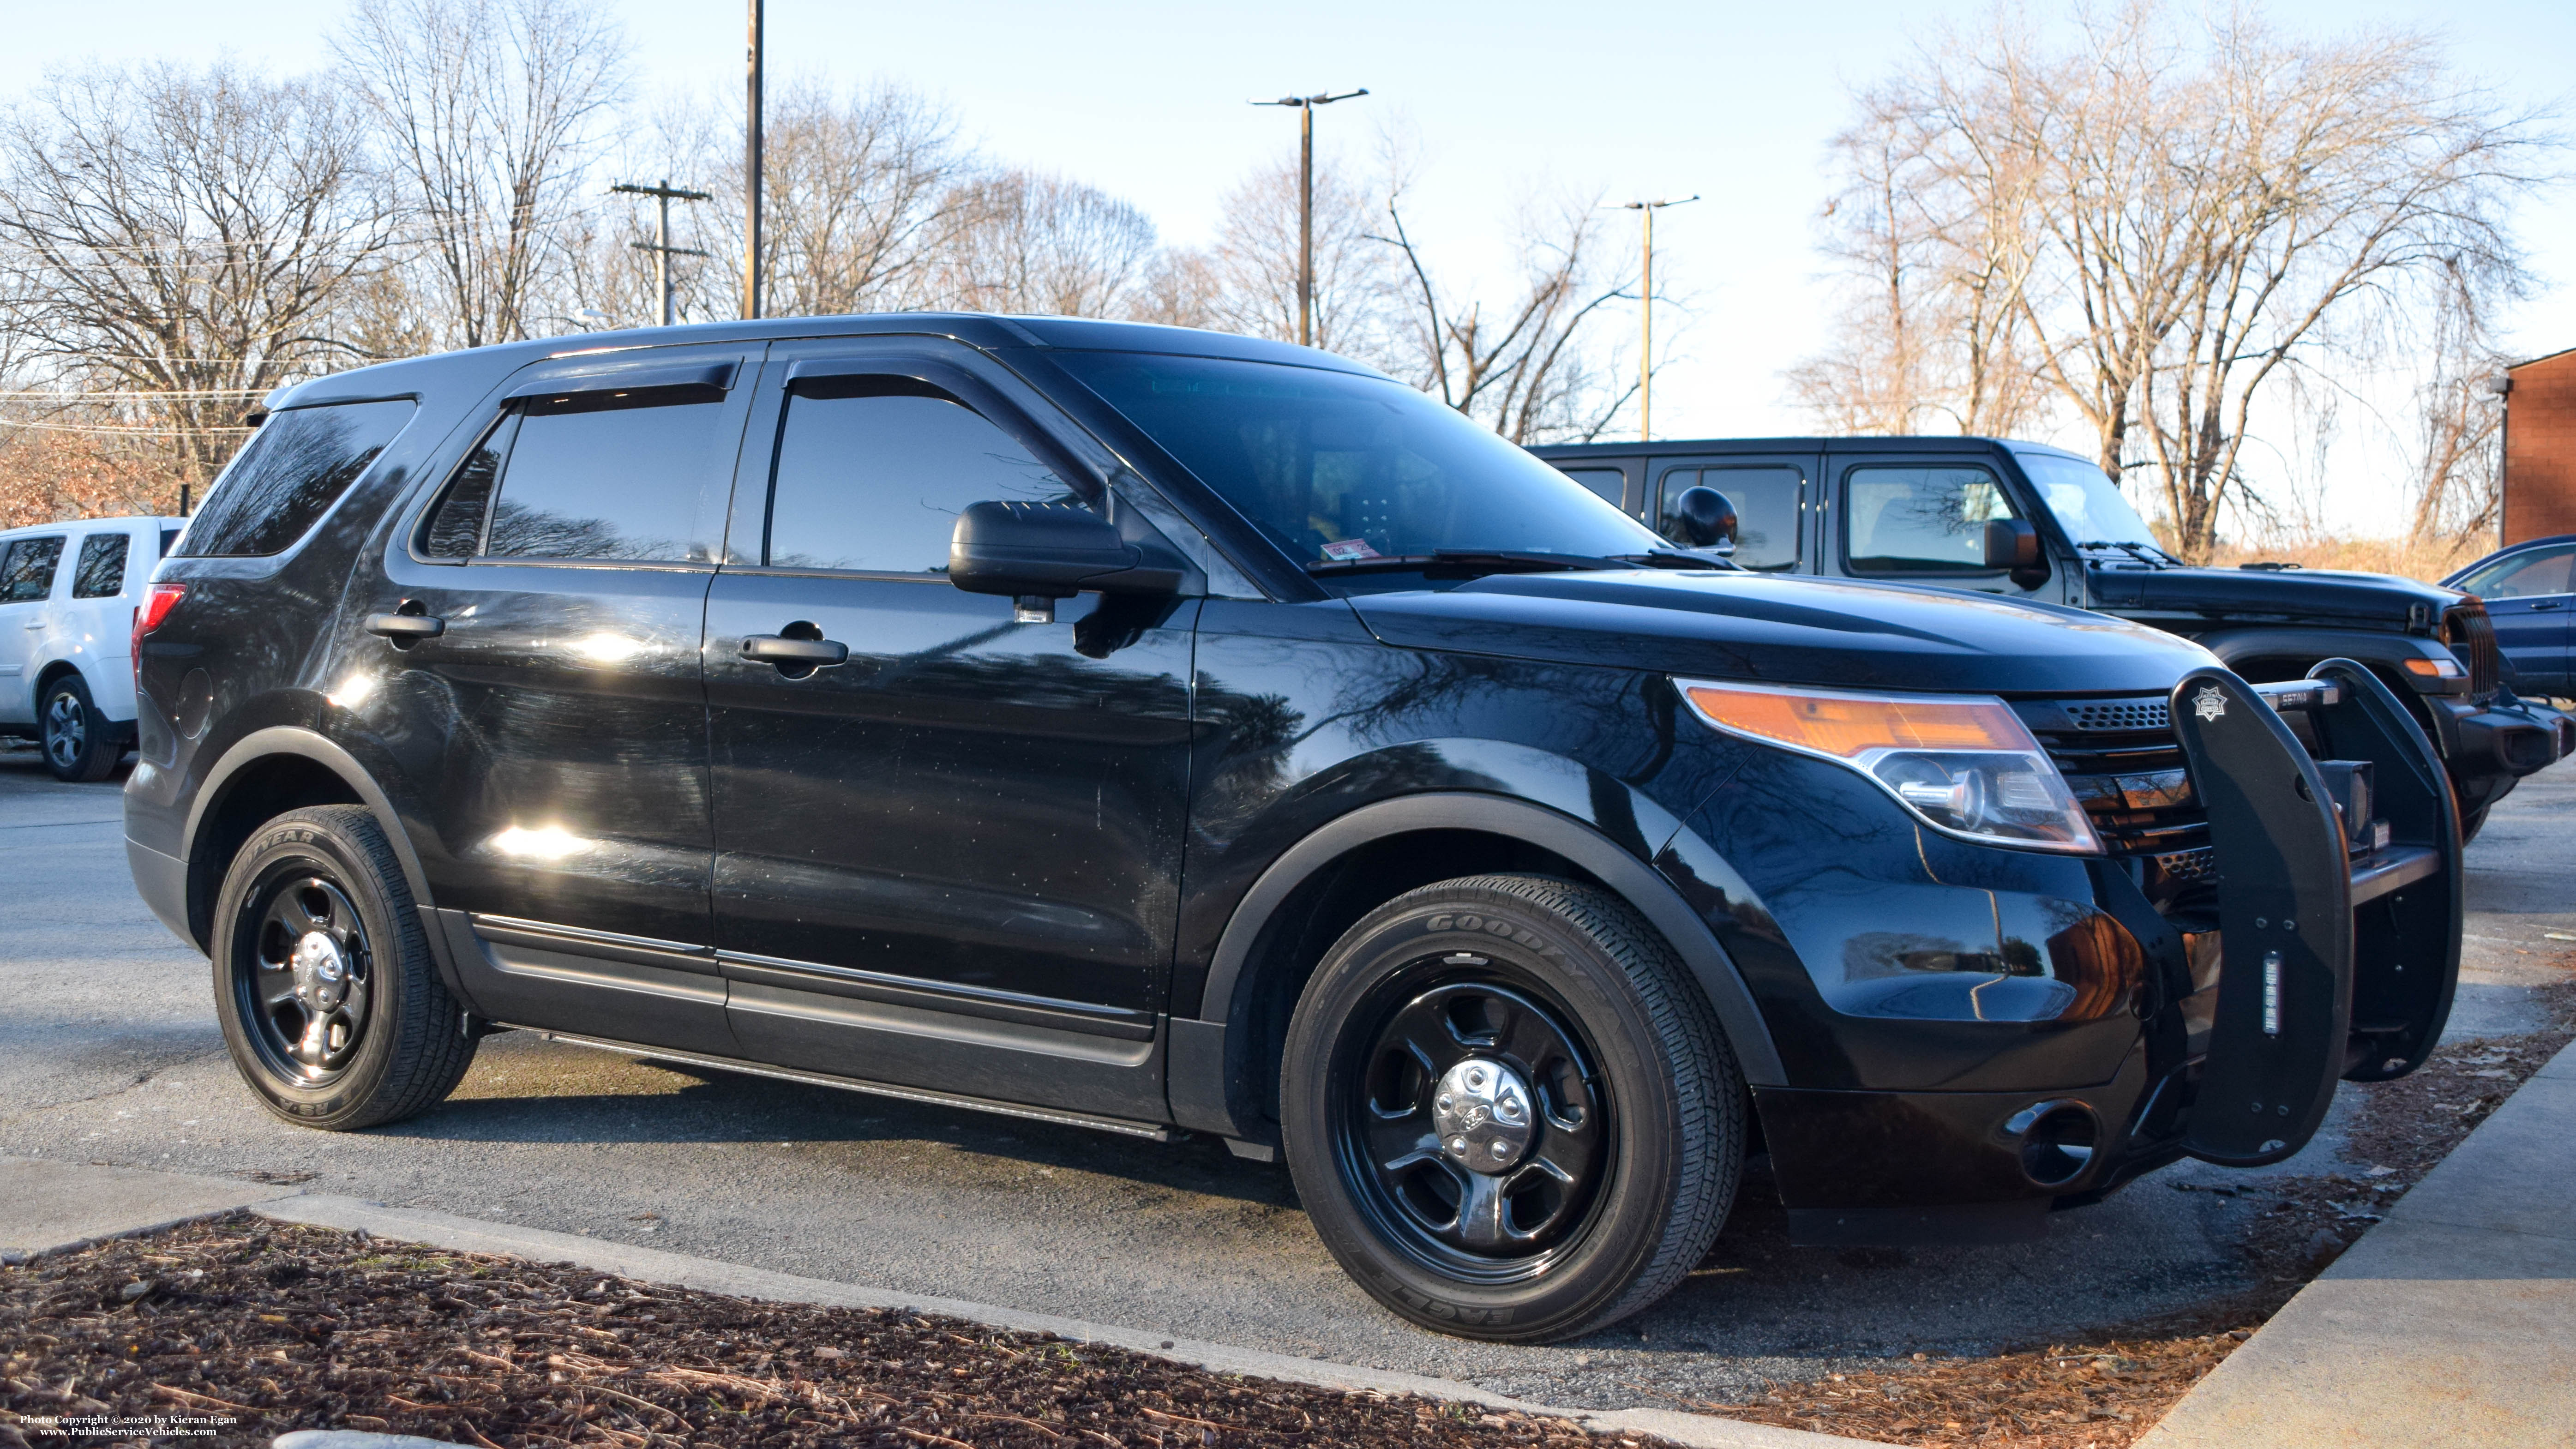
2012,543
1038,553
1706,518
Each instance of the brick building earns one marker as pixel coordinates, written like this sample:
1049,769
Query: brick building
2540,447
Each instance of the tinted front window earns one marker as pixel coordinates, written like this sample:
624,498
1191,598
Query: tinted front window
588,481
1768,509
27,569
291,472
101,574
1334,466
875,482
2531,575
1920,519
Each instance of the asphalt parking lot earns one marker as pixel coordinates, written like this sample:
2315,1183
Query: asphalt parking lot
109,1053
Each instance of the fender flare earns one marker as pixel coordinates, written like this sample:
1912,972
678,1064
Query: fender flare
1633,880
275,740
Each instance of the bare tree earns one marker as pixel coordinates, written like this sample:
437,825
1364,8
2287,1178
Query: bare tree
1530,369
1034,243
2458,485
864,194
177,243
2164,224
490,111
1252,267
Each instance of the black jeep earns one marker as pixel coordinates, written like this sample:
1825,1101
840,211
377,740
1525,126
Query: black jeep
2028,521
1159,732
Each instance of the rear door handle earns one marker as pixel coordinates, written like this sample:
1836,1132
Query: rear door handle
2537,604
406,626
779,649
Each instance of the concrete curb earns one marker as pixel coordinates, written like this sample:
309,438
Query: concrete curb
468,1235
50,1206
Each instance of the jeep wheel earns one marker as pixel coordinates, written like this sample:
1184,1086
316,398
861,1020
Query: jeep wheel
323,980
80,745
1509,1111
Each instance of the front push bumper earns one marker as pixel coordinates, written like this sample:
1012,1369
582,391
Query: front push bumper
2336,852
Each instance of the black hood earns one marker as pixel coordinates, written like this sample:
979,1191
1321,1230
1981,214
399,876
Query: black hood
1787,630
2265,596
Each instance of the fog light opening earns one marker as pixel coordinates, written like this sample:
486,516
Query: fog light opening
2058,1140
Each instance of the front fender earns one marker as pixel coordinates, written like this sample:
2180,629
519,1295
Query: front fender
1579,837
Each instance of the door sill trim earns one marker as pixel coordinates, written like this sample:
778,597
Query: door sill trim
1150,1131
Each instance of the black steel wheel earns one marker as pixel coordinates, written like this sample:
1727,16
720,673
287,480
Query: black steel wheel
80,745
330,1002
307,989
1509,1110
1471,1121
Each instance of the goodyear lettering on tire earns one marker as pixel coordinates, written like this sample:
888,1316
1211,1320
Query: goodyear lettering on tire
1517,935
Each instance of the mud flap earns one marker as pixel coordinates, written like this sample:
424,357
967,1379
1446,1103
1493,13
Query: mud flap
2285,924
2406,939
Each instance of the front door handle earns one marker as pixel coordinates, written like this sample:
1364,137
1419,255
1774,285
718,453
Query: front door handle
782,649
404,628
2536,604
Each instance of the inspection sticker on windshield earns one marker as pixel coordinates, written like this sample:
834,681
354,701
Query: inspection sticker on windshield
2209,703
1344,550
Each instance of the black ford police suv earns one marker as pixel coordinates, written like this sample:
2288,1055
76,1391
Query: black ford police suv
1159,731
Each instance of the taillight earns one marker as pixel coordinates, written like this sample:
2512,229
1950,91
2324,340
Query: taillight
156,607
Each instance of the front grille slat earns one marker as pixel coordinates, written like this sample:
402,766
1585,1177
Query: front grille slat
2471,635
2122,761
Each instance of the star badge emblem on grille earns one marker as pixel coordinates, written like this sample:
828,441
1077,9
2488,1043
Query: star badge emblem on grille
2209,703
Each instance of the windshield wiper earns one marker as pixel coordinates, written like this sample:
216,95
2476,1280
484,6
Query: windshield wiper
1462,563
2145,553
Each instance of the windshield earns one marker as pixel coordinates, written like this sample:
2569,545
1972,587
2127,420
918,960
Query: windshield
2087,503
1337,468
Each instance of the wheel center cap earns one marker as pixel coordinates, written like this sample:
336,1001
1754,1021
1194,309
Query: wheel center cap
1483,1112
321,972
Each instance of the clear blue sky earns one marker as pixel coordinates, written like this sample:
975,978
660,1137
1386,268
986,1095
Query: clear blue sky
1146,99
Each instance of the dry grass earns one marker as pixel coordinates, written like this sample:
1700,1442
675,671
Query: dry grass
2430,560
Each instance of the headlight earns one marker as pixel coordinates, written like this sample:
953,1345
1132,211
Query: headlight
1963,764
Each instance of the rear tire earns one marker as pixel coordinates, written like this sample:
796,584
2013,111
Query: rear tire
81,746
330,1001
1450,1204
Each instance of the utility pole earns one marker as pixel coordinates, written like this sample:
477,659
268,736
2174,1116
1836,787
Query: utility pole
1305,108
660,246
751,177
1646,314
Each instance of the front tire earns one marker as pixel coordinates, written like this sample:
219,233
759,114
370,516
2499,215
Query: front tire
1509,1111
81,746
330,1002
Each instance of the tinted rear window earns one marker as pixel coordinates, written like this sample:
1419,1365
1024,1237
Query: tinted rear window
101,574
594,479
293,470
27,568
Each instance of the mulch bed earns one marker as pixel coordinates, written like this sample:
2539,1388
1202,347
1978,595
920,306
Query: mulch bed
247,1329
277,1327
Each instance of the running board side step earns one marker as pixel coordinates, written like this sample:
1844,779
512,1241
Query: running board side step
1150,1131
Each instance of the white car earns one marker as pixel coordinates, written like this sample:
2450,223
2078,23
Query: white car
68,594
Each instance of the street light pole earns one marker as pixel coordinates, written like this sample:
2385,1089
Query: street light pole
660,246
751,175
1646,314
1305,107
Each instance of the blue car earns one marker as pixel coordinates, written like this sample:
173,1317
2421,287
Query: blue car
2529,595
